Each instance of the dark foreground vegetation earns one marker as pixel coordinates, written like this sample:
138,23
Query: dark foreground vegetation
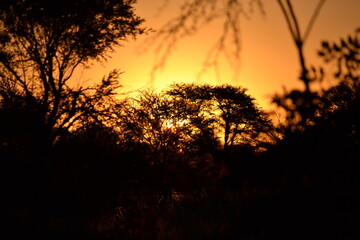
191,162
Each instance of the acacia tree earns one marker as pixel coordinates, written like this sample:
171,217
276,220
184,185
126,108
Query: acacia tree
196,14
237,117
146,120
165,125
43,43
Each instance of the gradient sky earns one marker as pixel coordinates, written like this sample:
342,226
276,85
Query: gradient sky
268,59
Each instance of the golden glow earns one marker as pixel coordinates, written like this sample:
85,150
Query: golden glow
268,61
171,124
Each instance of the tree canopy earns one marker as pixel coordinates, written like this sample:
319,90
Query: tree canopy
238,119
195,161
43,43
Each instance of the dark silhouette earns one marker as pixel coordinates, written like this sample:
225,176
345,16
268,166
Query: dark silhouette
235,115
319,156
42,44
190,162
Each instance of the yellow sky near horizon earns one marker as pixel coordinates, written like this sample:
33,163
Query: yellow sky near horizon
268,60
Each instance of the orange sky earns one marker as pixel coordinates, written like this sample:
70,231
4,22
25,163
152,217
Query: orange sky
268,58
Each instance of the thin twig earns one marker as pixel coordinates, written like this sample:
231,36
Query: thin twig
313,18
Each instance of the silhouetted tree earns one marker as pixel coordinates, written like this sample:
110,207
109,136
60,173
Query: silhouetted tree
337,113
342,100
237,118
164,123
312,171
319,162
195,14
175,145
346,55
339,124
154,121
300,105
43,44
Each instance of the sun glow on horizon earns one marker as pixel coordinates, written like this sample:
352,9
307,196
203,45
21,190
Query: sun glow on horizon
268,60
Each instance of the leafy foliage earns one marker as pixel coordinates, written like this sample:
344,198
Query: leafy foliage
234,113
42,45
346,54
181,164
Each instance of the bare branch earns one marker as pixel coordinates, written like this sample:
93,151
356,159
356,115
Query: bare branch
295,22
195,15
288,20
313,18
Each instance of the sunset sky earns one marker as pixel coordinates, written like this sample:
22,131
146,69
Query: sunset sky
268,60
